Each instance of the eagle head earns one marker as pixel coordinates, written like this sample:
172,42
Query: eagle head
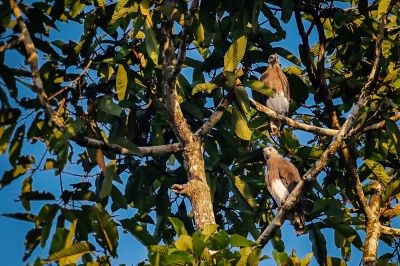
270,152
273,59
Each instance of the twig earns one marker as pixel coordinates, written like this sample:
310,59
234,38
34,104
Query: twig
387,230
72,82
11,44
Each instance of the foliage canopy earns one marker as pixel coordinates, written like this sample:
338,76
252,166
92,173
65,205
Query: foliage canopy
102,108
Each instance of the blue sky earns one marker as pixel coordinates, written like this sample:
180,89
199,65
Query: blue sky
130,251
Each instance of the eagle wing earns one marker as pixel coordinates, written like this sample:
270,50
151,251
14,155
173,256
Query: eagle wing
288,173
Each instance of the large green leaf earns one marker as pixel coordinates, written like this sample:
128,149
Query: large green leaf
378,170
242,130
240,241
105,229
208,86
258,86
108,178
318,243
121,82
151,42
235,54
241,185
139,231
76,249
178,226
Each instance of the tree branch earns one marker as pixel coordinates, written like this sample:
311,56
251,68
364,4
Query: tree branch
390,231
214,118
289,121
11,44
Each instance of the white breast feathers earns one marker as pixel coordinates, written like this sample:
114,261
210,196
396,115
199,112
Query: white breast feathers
278,191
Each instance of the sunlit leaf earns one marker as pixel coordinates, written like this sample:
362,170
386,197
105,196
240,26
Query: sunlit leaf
121,82
235,54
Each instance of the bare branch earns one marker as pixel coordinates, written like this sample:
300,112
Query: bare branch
185,36
297,125
11,44
214,118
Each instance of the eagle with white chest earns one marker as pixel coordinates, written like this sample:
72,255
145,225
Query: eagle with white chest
281,177
275,79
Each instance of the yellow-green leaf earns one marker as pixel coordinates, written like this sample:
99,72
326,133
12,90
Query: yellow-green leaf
235,54
121,82
151,42
76,249
378,170
209,87
382,8
184,243
108,178
242,130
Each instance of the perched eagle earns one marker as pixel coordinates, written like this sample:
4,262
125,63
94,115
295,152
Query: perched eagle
281,177
275,79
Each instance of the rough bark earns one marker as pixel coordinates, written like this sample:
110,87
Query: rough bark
373,228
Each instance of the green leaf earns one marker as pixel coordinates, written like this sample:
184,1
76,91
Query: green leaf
177,258
378,170
394,133
26,187
392,189
235,54
16,145
105,229
184,243
242,99
208,86
318,243
240,241
178,226
121,82
5,135
287,55
45,219
151,42
27,217
383,8
242,130
241,186
76,249
13,174
108,178
259,86
9,116
138,231
107,105
287,10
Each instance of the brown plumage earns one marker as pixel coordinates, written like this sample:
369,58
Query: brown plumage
281,177
275,79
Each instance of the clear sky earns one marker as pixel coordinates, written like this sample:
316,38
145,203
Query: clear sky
130,251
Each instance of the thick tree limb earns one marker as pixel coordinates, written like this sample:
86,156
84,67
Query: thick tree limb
336,143
197,188
373,228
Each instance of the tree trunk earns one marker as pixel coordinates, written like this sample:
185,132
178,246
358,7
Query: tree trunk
197,188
